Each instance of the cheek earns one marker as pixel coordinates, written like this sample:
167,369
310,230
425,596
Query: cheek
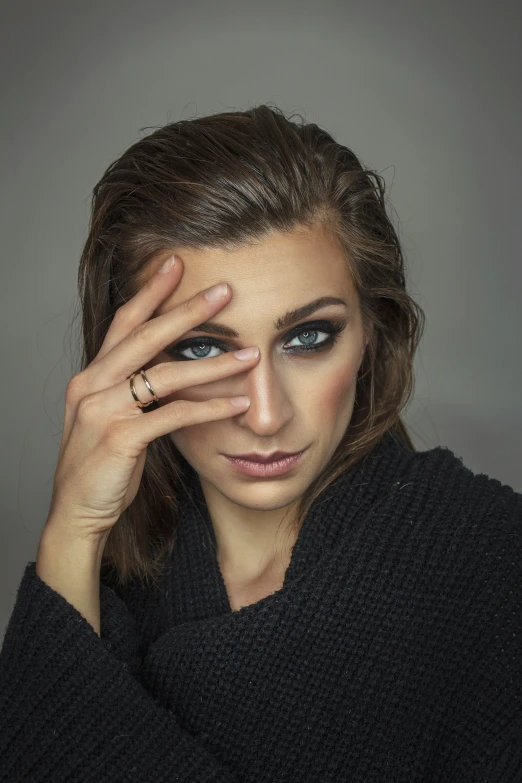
194,443
336,391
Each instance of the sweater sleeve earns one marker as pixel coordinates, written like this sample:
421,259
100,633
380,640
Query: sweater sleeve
71,707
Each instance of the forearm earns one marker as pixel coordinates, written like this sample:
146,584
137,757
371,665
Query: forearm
71,567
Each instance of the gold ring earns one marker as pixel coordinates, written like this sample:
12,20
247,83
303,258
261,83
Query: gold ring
149,387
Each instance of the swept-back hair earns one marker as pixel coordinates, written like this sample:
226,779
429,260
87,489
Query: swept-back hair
222,181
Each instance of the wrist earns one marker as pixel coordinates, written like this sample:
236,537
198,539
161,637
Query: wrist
61,535
70,565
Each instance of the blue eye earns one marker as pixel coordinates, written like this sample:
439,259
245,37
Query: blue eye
308,333
201,348
310,336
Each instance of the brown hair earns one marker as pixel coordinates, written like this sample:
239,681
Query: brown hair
218,182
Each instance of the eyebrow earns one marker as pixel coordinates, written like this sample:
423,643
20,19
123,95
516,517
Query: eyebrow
281,323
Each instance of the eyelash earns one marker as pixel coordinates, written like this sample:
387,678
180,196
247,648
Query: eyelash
332,328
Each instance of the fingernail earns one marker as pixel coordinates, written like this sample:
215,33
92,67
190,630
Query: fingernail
240,402
167,266
246,353
216,292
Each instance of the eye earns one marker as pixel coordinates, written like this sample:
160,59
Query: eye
305,334
309,338
201,348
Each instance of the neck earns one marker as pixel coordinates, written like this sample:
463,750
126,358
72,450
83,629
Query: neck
251,544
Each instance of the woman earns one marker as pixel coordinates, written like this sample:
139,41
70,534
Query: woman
348,613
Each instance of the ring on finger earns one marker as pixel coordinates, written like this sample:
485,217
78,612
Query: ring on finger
141,404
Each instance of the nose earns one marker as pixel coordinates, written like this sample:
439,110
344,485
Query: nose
270,401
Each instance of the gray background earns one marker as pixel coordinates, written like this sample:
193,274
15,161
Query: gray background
426,93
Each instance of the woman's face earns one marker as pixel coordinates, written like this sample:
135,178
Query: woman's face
299,399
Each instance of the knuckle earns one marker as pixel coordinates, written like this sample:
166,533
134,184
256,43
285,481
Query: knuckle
143,332
217,405
196,305
87,407
75,388
181,410
191,312
121,315
214,408
162,374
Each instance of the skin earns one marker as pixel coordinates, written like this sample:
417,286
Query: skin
297,400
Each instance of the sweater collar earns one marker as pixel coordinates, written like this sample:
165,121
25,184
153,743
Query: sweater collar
197,589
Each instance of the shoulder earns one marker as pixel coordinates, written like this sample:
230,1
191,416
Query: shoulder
472,588
446,480
473,521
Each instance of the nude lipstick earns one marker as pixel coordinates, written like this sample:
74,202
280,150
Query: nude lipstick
277,466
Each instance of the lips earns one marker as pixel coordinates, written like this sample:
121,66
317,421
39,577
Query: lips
254,457
266,470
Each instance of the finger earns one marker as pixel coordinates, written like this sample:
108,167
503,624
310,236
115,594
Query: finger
148,339
138,431
166,378
143,305
137,310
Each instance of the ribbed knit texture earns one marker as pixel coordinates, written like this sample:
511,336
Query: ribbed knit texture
392,653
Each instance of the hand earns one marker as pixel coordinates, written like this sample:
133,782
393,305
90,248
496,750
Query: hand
105,434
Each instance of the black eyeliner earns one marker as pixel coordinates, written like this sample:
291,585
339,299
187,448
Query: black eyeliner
332,326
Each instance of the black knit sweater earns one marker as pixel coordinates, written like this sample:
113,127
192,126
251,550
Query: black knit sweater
392,653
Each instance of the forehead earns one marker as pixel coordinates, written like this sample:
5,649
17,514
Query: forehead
280,271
